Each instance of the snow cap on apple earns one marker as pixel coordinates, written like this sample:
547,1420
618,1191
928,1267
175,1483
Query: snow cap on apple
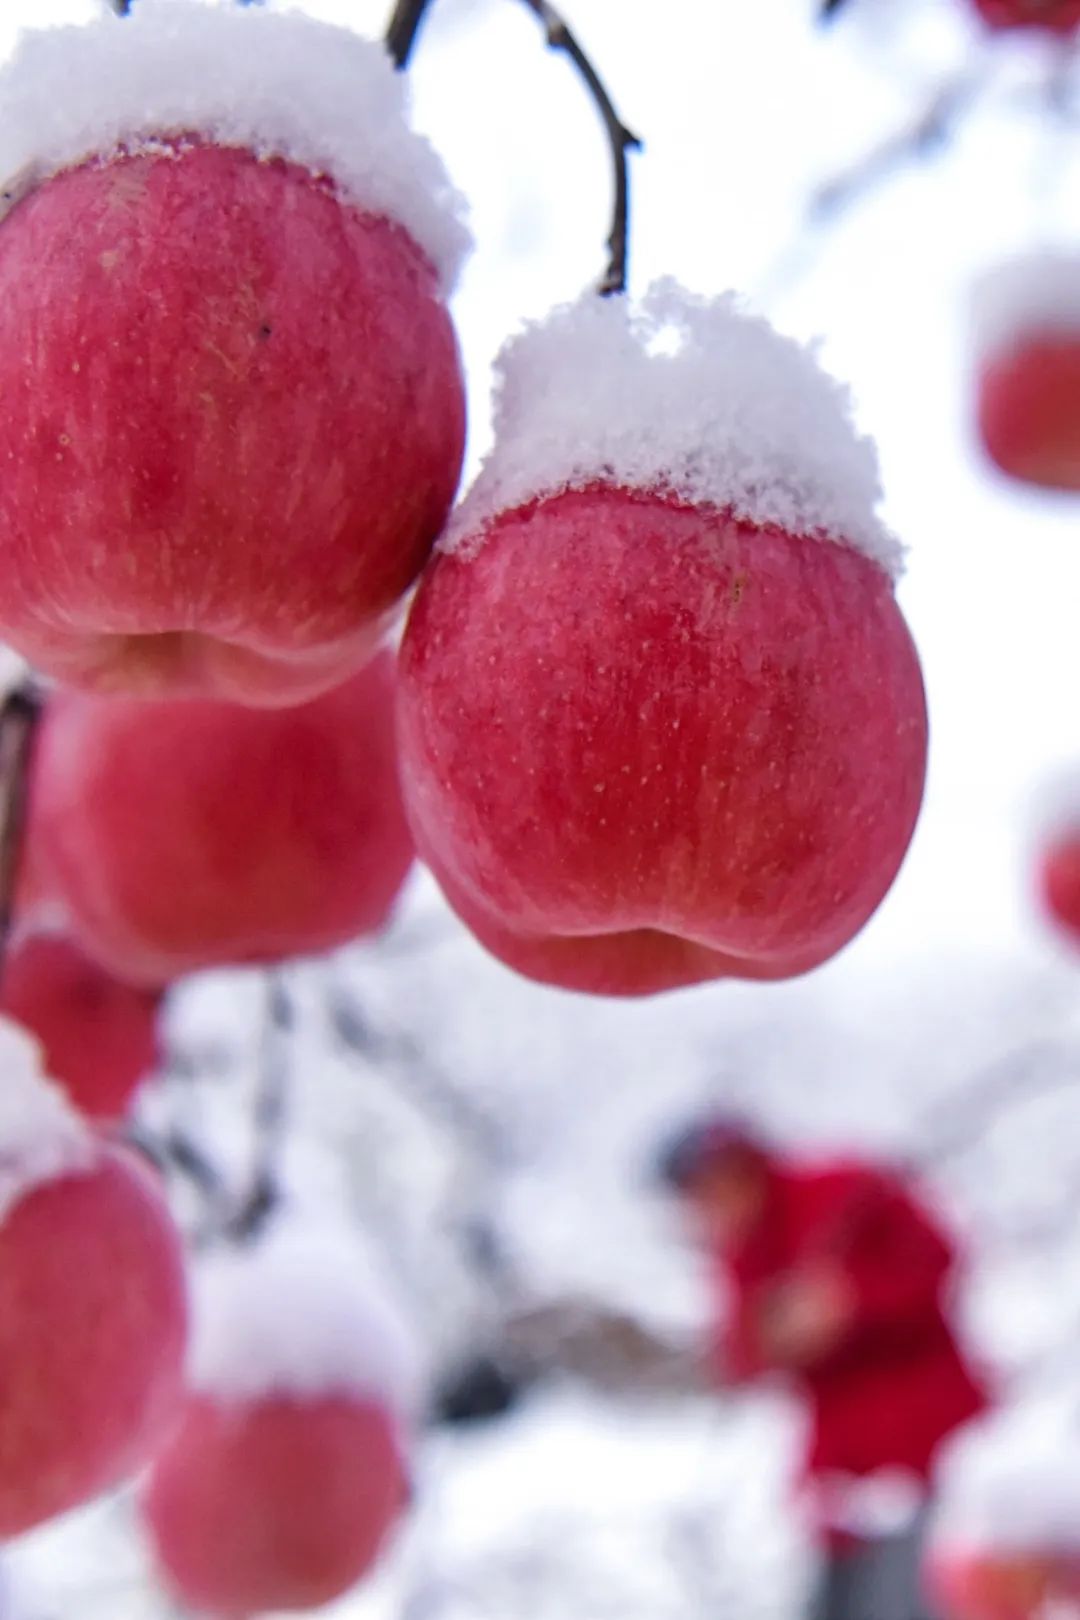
231,405
288,1469
303,1312
1026,318
92,1302
661,720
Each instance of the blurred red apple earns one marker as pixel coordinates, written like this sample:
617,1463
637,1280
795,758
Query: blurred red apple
231,422
1059,16
273,1503
92,1322
185,833
967,1583
1059,880
99,1035
646,743
1029,407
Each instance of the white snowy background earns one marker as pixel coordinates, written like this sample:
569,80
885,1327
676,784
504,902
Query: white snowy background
948,1034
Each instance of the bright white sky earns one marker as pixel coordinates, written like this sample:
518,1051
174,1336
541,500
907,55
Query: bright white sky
744,108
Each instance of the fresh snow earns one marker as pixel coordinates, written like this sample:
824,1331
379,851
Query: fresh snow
690,396
41,1136
1012,1482
1032,293
305,1311
279,83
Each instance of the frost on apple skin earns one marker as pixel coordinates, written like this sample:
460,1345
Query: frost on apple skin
684,396
280,84
646,744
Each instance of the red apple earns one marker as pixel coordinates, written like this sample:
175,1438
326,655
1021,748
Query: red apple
231,423
92,1323
1029,406
969,1583
99,1035
273,1503
185,833
647,743
1059,880
1058,16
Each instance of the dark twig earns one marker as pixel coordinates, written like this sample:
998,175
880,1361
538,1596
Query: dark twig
403,28
18,726
828,9
121,7
275,1064
622,140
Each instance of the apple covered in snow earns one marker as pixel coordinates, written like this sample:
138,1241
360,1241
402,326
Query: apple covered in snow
287,1471
99,1035
1056,16
1027,316
92,1303
231,406
661,720
186,833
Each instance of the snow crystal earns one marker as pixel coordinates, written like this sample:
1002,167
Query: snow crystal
304,1312
1035,292
41,1136
687,395
1009,1482
279,83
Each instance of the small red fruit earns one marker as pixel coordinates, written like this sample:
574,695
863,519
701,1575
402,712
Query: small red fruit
1001,1584
1056,16
186,833
287,1472
1028,406
92,1306
1059,880
99,1035
655,727
231,405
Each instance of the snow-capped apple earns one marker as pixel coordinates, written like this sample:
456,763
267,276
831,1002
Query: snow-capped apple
231,405
661,719
92,1303
183,833
1055,16
1028,369
99,1035
287,1471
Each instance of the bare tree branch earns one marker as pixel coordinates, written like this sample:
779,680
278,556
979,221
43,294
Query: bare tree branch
403,28
270,1118
621,139
19,717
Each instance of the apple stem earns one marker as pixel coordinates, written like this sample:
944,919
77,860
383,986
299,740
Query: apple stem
401,36
621,139
19,718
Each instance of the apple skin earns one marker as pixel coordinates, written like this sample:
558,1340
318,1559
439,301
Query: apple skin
93,1320
231,425
1057,16
645,744
99,1034
187,833
975,1584
1059,882
278,1503
1029,410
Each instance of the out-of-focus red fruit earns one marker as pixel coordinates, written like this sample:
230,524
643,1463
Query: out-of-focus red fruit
1029,409
92,1312
275,1503
187,833
1057,16
231,405
1059,881
99,1035
661,720
983,1584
